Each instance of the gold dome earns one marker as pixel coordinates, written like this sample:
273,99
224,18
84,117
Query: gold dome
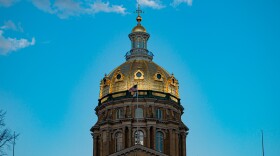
146,74
138,28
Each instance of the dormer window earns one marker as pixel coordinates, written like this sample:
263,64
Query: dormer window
138,75
119,76
158,76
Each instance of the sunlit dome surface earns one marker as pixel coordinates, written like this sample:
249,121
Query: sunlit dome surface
146,74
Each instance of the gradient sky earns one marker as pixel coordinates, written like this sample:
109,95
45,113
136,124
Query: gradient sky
225,54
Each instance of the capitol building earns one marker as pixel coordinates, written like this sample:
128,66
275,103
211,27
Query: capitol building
139,109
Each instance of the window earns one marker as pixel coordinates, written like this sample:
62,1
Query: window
158,76
138,74
139,140
159,114
118,141
139,43
119,76
119,114
159,141
138,113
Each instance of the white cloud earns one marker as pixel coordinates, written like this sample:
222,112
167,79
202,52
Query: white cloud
178,2
62,8
8,45
67,8
44,5
7,3
99,6
155,4
11,25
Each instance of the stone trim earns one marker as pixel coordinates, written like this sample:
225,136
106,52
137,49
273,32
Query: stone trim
138,148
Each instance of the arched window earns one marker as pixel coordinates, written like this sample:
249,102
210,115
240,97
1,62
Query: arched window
118,139
159,114
139,138
138,113
159,141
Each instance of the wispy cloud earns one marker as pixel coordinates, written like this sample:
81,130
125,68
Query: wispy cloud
155,4
99,6
44,5
7,3
11,25
175,3
8,44
67,8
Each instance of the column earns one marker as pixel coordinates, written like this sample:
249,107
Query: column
129,138
154,138
123,137
94,144
101,144
184,144
176,144
172,143
148,136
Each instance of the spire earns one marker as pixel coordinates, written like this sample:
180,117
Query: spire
139,18
139,38
138,27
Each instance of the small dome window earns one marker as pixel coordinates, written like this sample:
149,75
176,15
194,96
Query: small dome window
104,81
139,74
119,76
158,76
173,81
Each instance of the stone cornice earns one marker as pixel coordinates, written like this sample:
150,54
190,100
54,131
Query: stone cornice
137,148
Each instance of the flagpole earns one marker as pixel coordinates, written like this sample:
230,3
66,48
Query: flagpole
137,115
262,144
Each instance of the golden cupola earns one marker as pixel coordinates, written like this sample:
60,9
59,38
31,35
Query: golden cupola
139,69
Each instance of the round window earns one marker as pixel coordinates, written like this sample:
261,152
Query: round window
119,76
138,74
158,76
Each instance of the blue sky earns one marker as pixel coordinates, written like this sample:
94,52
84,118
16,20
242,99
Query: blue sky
225,55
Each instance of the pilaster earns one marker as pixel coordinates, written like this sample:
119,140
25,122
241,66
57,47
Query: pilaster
172,142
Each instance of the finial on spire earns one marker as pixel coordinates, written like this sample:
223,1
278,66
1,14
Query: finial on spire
139,11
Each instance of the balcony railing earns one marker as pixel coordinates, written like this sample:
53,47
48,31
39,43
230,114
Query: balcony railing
141,94
139,52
